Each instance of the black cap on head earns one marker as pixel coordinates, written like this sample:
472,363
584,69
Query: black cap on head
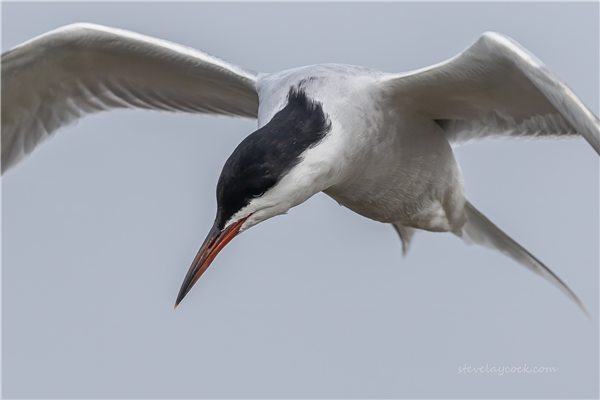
266,155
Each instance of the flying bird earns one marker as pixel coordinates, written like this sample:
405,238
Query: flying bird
378,143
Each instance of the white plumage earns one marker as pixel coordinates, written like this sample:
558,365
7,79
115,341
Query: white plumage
387,157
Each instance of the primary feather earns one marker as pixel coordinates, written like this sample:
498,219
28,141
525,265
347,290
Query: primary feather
63,75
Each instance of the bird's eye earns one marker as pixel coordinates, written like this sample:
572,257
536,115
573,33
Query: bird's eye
259,187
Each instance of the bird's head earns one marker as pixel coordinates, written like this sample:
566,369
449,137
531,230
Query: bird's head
267,174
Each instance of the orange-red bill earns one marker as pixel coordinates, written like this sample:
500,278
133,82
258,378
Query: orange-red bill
215,241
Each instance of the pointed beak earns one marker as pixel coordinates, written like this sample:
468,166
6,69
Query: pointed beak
215,241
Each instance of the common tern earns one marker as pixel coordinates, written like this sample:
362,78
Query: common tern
378,143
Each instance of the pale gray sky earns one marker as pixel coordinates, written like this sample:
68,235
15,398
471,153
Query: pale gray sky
100,225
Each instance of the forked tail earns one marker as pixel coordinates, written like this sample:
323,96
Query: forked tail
482,231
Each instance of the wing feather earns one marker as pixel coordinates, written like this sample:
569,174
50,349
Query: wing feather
494,88
55,79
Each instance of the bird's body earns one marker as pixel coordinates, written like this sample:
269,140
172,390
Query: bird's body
382,163
378,143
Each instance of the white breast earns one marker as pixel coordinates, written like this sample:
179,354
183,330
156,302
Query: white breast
377,161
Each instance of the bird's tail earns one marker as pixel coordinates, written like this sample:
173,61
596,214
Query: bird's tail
406,235
482,231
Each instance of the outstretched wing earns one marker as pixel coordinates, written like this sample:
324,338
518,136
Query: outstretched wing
494,88
61,76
